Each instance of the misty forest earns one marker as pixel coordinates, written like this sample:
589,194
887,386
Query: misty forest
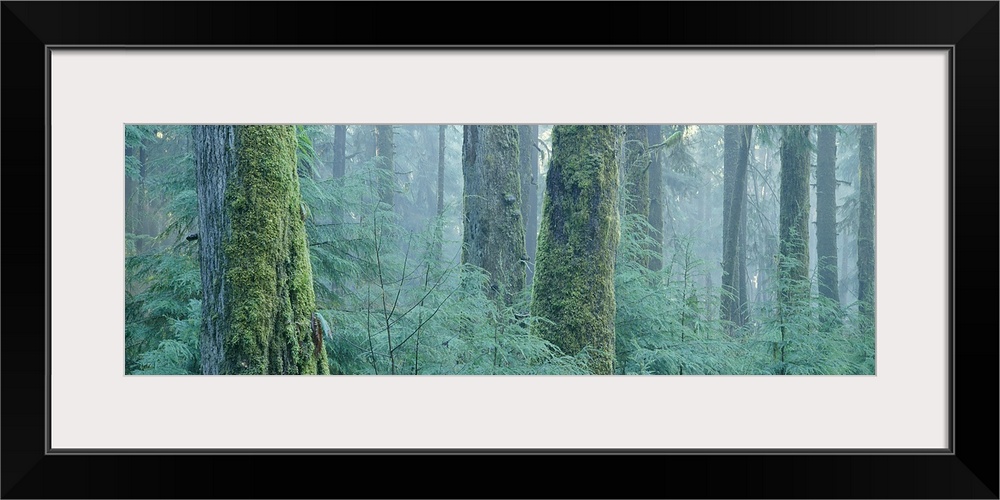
500,249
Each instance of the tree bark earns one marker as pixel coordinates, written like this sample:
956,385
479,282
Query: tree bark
737,154
826,212
793,263
654,135
574,278
215,163
385,156
493,236
866,226
257,290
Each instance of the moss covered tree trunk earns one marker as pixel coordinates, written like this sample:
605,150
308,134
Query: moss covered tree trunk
866,225
257,288
385,158
654,135
493,236
527,137
793,259
736,155
826,212
574,275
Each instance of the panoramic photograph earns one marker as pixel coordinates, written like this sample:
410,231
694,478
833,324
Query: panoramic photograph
433,249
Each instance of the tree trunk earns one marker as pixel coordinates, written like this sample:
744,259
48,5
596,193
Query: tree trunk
654,135
493,238
339,151
438,244
574,277
215,164
385,155
826,212
793,264
737,154
440,176
635,167
257,289
130,188
866,225
144,215
527,139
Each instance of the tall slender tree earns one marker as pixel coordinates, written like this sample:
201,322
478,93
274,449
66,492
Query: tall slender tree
574,277
635,169
339,151
826,212
736,156
493,236
385,156
528,152
793,221
654,135
866,225
257,289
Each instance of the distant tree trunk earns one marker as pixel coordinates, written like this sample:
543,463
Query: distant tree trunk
440,176
385,155
257,290
866,226
339,151
826,212
493,238
635,167
574,275
130,189
527,139
654,135
793,264
531,236
737,154
439,223
145,223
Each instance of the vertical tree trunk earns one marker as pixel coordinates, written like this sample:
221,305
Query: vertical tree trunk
527,137
215,163
737,154
257,288
574,278
439,223
385,155
130,188
339,151
440,176
826,212
493,238
793,264
635,167
144,217
654,135
866,226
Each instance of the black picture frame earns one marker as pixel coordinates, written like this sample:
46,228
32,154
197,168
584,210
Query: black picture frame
968,470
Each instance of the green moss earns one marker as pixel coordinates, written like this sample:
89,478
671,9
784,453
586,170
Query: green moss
574,274
493,236
268,276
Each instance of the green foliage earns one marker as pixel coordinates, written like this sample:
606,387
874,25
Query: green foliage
393,298
392,307
162,312
665,325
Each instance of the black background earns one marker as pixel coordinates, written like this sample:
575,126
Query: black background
971,472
